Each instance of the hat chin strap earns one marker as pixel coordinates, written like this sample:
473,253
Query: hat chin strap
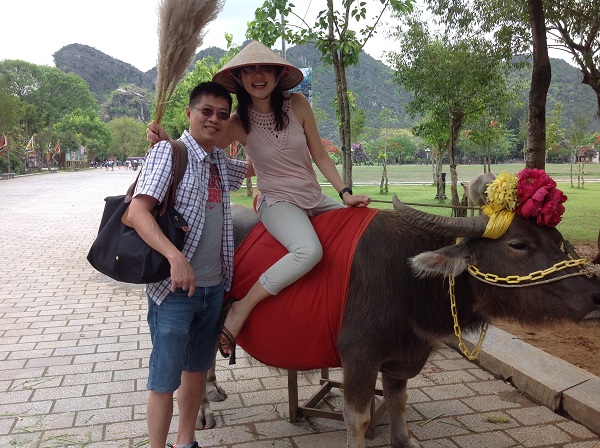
279,77
238,80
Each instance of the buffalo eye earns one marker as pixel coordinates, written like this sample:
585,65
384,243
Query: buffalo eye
518,245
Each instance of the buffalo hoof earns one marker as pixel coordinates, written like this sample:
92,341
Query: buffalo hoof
206,417
214,392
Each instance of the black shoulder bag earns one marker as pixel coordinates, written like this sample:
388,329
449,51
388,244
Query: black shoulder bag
119,252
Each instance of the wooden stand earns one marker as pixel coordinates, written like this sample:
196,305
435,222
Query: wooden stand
309,409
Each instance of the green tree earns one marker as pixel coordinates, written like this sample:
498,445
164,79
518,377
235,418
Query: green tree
489,143
58,94
46,92
483,134
128,137
338,43
88,129
523,28
455,81
401,145
577,138
12,109
436,134
555,135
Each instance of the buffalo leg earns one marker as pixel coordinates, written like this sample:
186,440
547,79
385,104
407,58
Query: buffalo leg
212,392
359,391
395,394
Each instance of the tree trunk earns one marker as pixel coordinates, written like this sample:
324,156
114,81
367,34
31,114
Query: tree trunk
571,173
249,189
456,118
540,83
383,186
343,103
438,176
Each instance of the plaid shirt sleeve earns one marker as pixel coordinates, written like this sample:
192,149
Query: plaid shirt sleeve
237,170
155,176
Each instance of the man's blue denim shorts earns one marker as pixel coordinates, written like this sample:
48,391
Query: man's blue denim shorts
184,335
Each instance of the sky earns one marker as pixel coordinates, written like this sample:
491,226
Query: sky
33,30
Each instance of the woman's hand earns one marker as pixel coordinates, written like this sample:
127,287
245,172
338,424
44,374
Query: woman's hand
357,200
155,133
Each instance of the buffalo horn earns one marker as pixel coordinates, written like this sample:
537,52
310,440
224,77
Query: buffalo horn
473,226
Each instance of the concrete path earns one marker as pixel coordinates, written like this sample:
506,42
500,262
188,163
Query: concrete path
74,347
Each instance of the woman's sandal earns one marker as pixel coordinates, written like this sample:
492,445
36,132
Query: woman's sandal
227,341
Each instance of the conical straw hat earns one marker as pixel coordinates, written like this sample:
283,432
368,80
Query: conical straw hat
256,53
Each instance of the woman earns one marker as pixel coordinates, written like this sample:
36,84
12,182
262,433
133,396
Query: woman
279,132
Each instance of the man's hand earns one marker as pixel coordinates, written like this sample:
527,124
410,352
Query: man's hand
141,219
155,133
182,274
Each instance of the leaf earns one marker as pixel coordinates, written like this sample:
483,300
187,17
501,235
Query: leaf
498,419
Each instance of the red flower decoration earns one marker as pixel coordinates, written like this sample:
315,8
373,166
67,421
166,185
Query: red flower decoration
539,198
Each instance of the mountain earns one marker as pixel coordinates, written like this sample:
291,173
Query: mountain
102,73
371,82
123,90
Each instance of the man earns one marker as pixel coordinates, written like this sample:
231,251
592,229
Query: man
184,310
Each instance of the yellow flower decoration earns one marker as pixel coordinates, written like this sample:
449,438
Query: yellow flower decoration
502,202
502,193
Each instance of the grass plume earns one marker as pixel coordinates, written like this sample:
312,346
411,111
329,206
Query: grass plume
180,33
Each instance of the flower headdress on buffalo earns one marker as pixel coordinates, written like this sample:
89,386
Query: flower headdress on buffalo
531,194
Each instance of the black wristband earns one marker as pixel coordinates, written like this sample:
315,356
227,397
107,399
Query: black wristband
344,190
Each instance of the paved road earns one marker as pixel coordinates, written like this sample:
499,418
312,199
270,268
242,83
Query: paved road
74,347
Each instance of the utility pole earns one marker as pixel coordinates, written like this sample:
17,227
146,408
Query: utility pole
282,36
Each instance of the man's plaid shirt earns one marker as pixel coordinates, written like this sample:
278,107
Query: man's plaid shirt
191,198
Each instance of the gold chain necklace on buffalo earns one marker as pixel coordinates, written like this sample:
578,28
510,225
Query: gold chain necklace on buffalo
512,281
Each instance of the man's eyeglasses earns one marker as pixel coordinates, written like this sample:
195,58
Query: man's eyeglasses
250,69
209,112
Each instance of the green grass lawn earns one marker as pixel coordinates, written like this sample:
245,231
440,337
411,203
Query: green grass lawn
414,184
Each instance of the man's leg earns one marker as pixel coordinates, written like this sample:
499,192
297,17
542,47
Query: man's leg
159,411
189,398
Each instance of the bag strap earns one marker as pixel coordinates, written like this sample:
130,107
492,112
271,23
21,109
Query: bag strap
179,161
178,167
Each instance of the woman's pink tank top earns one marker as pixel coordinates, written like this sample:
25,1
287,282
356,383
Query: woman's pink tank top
282,160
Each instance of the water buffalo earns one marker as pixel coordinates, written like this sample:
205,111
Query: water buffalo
476,189
597,258
397,303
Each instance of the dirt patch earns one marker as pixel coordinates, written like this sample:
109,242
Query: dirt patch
576,345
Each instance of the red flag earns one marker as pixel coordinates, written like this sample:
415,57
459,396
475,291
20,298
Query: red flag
56,150
3,143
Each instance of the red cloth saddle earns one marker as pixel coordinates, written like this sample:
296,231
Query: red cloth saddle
298,328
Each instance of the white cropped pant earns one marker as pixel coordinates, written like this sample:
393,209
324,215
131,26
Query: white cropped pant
290,225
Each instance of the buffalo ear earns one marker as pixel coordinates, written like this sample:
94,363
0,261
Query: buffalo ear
450,260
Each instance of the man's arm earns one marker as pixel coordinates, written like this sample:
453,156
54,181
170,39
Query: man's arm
141,218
